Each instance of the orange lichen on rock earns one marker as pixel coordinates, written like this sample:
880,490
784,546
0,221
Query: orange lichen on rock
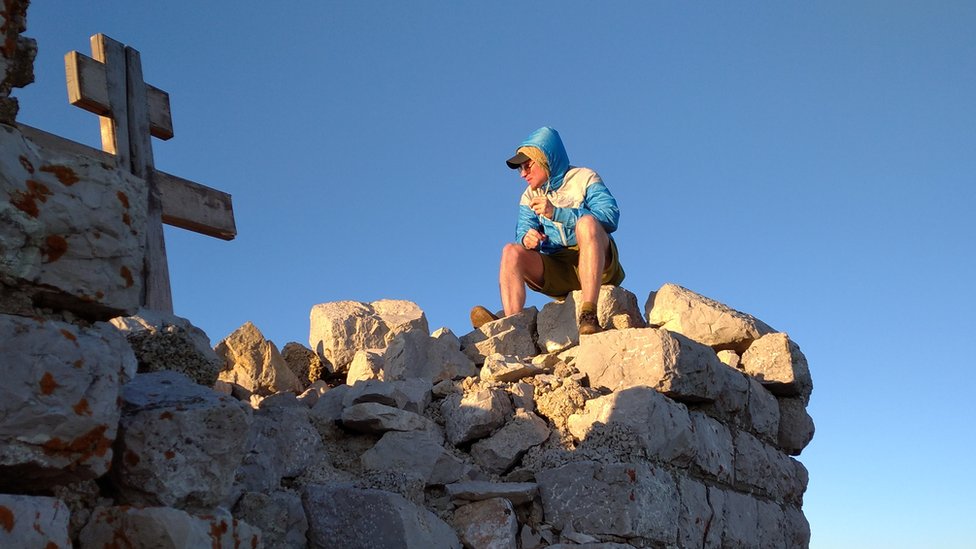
131,458
6,518
68,335
54,248
169,454
78,363
127,275
81,408
48,385
127,219
26,163
64,174
92,443
123,198
26,201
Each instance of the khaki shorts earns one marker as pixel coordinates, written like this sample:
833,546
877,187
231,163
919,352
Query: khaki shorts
560,274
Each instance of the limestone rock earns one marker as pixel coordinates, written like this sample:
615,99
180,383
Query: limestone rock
617,308
488,524
412,395
621,499
178,443
417,355
304,363
694,515
167,528
373,417
670,363
162,341
702,319
71,229
741,519
337,515
366,364
341,328
478,490
795,426
502,450
474,415
281,443
763,468
254,363
763,412
59,408
279,515
30,521
661,425
778,364
507,368
512,335
714,451
420,452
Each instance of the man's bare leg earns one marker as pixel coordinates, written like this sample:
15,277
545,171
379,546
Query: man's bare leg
518,265
593,244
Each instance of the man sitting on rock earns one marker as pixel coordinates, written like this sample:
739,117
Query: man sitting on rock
562,241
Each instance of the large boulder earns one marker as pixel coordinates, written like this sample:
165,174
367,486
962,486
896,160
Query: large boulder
504,448
59,400
702,319
419,452
355,518
511,335
254,363
71,230
418,355
162,341
474,415
670,363
778,363
795,426
166,528
488,524
338,329
304,363
279,515
617,308
178,443
29,521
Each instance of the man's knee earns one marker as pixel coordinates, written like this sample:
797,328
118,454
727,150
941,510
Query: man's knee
589,229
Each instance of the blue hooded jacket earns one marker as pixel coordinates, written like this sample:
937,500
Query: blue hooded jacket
574,192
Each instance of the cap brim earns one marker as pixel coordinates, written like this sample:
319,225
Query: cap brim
517,160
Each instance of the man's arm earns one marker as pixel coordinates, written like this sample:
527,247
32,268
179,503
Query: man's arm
597,202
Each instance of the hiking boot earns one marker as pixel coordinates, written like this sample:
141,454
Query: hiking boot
588,323
481,316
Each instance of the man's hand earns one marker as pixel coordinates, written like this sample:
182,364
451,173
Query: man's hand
541,206
532,239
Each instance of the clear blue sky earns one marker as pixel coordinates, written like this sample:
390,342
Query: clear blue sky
810,163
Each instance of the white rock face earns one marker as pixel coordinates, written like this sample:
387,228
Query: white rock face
339,329
474,415
670,363
179,442
71,229
59,408
167,528
254,363
339,515
30,521
778,364
366,364
373,417
507,368
499,452
512,335
557,321
420,452
795,425
702,319
417,355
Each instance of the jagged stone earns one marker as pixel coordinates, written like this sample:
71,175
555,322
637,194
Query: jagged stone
795,426
617,308
778,363
729,358
328,408
714,451
417,355
668,362
337,514
769,524
304,363
512,335
694,513
178,443
280,516
523,395
474,415
621,499
311,396
341,328
507,369
488,524
33,521
702,319
477,490
661,425
254,363
59,407
366,364
162,341
796,527
71,230
373,417
763,468
502,450
412,395
167,528
741,519
420,452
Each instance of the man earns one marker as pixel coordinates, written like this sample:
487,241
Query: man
562,241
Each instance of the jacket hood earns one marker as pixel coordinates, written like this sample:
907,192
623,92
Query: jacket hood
548,141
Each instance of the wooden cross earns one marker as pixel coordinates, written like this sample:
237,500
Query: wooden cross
111,86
